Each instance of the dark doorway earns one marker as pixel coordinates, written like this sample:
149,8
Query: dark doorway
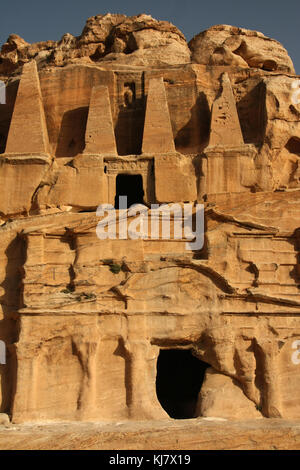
178,382
130,186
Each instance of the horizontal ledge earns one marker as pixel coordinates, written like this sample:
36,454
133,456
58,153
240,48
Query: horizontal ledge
26,157
120,312
244,314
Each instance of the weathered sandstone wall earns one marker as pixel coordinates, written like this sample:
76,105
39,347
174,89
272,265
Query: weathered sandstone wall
86,321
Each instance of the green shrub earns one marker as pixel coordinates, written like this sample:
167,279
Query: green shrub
85,296
68,290
115,268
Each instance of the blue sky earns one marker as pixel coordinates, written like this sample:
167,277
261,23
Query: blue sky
38,20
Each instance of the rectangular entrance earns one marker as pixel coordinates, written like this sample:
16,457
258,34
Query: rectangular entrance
130,186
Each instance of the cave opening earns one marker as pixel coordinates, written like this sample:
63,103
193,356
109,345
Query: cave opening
179,379
130,186
293,145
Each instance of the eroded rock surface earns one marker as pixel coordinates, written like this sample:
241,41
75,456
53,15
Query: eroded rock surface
136,40
229,45
87,322
198,434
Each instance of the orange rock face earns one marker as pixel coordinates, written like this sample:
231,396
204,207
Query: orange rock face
146,327
228,45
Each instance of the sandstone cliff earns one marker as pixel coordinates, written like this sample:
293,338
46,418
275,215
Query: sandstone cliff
228,45
94,328
144,41
137,40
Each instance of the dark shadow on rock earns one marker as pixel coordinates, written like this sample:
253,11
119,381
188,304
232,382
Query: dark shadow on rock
293,145
11,301
6,111
121,352
129,127
71,139
251,115
193,137
179,379
295,241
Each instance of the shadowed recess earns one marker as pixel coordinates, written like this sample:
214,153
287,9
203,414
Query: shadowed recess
130,186
179,379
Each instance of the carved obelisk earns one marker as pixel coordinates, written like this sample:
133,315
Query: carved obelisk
28,130
158,135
